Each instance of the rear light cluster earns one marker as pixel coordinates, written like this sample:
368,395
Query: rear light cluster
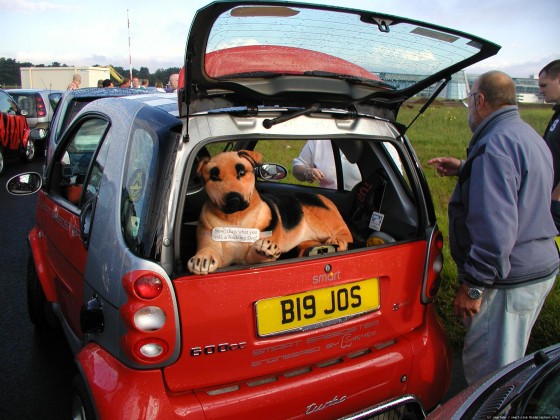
149,314
432,270
41,108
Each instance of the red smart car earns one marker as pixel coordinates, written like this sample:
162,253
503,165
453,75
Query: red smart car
321,331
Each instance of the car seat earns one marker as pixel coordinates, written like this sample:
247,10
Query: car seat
365,199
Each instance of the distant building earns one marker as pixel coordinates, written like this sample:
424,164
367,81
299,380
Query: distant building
60,77
460,85
456,88
527,88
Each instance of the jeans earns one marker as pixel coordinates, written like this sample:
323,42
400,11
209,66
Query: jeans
499,333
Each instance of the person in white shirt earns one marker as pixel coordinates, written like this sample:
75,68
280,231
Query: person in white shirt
315,163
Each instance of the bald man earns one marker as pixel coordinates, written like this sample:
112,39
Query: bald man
501,231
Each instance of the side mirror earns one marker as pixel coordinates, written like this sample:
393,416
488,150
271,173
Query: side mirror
24,184
272,172
38,133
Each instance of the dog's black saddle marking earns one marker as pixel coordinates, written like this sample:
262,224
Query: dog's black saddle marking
289,208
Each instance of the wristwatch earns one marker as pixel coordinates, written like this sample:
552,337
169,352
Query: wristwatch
474,293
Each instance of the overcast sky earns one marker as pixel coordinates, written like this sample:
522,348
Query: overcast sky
96,32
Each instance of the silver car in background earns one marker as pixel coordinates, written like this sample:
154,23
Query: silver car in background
39,104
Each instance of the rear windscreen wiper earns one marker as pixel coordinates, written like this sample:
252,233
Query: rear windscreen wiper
268,123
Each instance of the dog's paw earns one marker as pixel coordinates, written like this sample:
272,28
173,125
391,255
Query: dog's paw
342,245
202,264
267,248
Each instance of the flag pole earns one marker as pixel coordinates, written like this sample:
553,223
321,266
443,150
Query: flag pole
129,54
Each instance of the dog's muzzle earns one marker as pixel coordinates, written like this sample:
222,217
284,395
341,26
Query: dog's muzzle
234,202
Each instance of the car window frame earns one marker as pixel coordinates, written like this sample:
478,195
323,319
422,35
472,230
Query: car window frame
54,180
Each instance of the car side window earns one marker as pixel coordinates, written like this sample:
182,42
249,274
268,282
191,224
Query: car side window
54,98
140,166
7,106
91,186
303,156
73,163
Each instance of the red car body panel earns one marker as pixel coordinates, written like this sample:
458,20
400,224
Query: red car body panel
325,390
63,254
220,315
124,393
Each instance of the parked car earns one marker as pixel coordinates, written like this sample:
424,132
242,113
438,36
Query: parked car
322,331
71,103
14,131
528,388
39,104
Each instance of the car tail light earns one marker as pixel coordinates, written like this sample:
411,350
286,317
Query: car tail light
41,108
433,266
150,316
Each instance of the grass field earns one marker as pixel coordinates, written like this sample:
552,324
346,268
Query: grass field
443,131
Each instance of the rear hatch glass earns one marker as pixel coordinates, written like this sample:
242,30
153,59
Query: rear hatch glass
265,41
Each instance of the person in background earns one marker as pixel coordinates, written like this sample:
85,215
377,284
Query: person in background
100,83
108,83
315,163
549,87
125,83
173,82
76,82
159,86
135,82
145,84
501,232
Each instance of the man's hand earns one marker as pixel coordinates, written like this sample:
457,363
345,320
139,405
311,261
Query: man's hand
313,175
464,306
446,166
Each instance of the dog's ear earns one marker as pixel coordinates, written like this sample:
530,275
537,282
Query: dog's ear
254,157
203,162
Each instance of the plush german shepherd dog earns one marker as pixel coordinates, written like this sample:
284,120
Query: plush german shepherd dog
238,226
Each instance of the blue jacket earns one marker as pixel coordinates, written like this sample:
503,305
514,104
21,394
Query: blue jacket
501,231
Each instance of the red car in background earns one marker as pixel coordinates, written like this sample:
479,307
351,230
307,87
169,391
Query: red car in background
14,131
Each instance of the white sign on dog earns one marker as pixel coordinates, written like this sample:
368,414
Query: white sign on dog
235,234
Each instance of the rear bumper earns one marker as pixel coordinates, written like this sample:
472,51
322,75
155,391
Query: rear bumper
405,407
409,365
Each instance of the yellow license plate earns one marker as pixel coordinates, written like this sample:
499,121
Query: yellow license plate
316,307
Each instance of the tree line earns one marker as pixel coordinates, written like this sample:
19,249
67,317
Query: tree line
10,75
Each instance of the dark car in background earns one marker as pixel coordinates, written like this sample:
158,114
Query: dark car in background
528,388
39,104
14,131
